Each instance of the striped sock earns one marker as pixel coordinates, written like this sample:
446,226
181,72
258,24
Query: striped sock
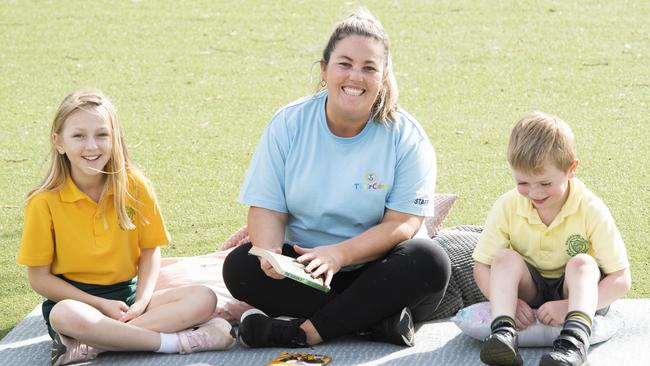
502,321
578,320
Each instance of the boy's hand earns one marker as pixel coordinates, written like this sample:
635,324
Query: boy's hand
553,312
524,315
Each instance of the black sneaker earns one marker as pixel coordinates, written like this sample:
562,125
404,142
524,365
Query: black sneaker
256,330
500,348
569,349
397,329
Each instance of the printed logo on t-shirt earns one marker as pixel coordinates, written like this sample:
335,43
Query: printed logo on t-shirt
421,201
576,244
371,183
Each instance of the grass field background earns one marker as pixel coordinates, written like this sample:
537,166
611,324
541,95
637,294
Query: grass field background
196,82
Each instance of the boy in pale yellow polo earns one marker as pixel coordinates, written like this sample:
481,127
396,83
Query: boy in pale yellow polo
548,244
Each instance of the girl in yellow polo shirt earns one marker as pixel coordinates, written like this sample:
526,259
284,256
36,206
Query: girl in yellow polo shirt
91,242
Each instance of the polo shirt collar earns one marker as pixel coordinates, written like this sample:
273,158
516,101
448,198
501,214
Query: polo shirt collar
524,208
71,193
576,190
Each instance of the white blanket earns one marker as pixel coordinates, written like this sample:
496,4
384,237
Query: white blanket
436,343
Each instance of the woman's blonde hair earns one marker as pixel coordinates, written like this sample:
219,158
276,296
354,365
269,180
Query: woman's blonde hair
116,168
363,23
540,138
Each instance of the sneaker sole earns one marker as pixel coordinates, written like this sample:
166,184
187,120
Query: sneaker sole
57,351
409,338
544,362
495,353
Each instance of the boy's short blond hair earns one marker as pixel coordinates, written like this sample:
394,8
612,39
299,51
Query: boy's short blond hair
540,138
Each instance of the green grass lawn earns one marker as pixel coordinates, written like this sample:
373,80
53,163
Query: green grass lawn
195,84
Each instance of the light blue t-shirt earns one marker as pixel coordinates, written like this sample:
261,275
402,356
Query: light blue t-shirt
334,188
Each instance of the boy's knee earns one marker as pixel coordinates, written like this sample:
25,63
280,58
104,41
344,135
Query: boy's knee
582,263
506,257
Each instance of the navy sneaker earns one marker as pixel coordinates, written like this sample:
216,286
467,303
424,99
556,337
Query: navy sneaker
500,348
256,330
397,329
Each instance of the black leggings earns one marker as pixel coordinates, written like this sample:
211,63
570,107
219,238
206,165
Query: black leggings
414,273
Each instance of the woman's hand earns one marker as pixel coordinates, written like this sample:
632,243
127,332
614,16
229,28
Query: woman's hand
267,268
266,230
113,309
524,315
553,312
323,261
135,310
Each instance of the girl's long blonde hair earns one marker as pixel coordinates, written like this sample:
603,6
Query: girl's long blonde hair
119,166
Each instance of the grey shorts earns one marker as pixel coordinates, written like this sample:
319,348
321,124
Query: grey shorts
550,289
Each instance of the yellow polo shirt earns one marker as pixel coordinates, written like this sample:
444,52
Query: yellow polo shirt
69,231
583,225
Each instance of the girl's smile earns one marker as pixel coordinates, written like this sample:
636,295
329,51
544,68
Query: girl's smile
86,140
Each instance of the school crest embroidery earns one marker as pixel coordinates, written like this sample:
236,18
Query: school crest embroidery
576,244
131,213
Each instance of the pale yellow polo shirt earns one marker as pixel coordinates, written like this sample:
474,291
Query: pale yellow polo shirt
67,230
583,225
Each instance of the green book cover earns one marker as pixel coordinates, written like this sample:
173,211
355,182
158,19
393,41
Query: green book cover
289,268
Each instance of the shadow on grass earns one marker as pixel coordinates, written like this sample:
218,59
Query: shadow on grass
4,332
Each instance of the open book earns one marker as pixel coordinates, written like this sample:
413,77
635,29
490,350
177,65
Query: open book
289,268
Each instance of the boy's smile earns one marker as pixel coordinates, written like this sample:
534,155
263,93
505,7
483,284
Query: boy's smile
539,202
547,190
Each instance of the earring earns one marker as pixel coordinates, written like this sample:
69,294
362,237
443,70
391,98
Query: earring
323,83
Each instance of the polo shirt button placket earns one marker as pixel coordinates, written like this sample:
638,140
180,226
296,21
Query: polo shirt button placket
545,245
97,224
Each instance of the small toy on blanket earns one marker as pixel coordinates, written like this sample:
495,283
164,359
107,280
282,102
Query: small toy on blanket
474,321
285,359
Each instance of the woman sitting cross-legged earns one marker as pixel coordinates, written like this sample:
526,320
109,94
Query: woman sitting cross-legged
341,180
